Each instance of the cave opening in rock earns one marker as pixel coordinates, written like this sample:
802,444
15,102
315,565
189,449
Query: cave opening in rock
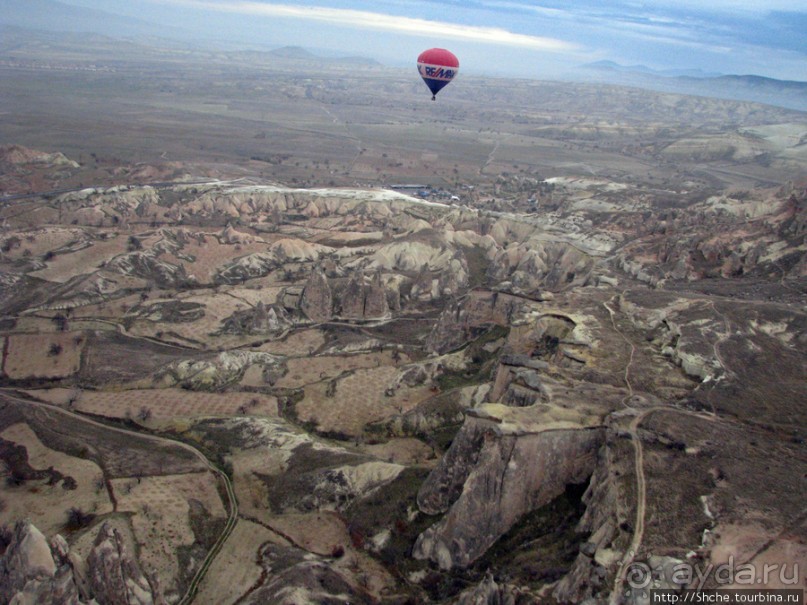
550,331
539,549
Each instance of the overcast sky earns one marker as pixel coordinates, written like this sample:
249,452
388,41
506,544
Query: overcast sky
511,37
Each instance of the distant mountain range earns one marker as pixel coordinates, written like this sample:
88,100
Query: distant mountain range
785,93
299,53
611,65
58,17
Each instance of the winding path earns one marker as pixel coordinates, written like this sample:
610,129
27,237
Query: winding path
612,314
638,461
641,493
490,156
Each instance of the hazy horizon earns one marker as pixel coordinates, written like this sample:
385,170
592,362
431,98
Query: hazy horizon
491,37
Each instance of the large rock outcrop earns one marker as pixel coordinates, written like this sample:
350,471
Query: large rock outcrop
316,301
534,266
504,463
147,266
363,298
35,572
28,571
294,576
114,577
488,592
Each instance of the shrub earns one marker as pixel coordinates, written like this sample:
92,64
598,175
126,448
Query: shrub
77,518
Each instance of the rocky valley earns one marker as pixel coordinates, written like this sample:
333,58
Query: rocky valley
227,381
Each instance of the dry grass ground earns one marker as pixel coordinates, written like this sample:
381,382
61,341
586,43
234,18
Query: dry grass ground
120,454
236,569
211,255
323,532
359,400
55,355
34,324
785,555
81,543
174,403
47,505
251,493
217,307
304,371
318,532
57,396
253,295
160,516
403,450
112,309
64,267
303,342
38,242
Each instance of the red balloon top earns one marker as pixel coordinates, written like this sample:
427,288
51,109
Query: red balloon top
439,56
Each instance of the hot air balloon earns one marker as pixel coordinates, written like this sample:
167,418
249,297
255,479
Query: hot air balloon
437,67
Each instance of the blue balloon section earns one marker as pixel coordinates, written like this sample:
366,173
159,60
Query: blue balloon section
435,84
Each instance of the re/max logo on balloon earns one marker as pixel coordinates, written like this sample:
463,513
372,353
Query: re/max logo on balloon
431,71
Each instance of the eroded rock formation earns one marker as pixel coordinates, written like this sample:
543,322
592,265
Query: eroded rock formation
37,572
316,301
501,465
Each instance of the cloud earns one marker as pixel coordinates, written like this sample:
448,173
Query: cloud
628,6
651,23
384,22
731,6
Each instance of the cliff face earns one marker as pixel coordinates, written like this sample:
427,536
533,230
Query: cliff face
491,476
595,564
35,571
